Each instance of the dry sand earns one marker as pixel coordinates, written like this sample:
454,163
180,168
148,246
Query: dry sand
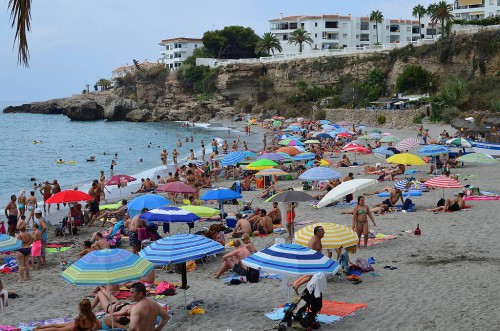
445,278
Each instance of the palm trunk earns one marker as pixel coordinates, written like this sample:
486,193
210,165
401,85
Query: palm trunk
419,29
376,30
300,47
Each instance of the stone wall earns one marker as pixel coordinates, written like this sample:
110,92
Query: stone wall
394,118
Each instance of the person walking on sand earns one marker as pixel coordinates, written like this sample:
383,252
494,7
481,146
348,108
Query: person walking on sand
36,247
11,214
143,316
46,191
23,254
360,216
21,203
31,205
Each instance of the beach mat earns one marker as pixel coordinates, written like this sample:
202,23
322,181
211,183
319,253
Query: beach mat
339,308
278,314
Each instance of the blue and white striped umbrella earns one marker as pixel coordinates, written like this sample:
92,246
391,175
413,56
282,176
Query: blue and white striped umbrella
235,157
291,260
304,156
320,173
197,163
180,248
401,184
274,156
8,243
169,215
433,150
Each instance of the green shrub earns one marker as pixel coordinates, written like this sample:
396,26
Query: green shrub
319,114
418,119
415,79
495,106
381,119
197,79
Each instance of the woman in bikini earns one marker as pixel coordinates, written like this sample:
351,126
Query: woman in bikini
360,216
21,203
102,297
31,204
23,253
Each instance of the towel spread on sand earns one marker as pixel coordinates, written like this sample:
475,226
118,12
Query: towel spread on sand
278,314
31,325
379,238
56,250
338,308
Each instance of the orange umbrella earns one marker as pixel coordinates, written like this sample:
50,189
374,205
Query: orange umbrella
288,150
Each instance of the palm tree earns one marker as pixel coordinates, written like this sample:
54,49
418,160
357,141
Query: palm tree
443,12
419,11
377,17
300,36
269,42
20,15
431,10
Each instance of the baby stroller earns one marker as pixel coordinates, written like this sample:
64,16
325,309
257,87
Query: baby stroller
304,311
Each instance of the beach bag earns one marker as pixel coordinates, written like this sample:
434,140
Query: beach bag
165,288
407,205
364,265
253,275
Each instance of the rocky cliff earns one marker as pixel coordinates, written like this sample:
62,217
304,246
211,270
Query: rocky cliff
471,56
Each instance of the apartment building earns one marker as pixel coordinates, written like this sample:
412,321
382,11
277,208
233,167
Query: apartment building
337,31
472,10
175,51
123,70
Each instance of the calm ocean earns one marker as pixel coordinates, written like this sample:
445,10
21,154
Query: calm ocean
77,141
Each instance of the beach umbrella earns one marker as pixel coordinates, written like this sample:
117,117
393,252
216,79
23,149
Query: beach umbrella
119,180
406,159
289,150
219,157
286,135
366,137
149,201
407,144
176,187
389,139
271,172
304,156
320,173
343,135
274,156
325,122
262,164
201,211
293,128
433,150
169,215
322,163
196,163
312,141
345,188
235,157
461,142
179,249
277,124
285,155
478,158
8,243
291,142
300,149
375,136
401,185
290,196
68,196
356,148
442,182
322,135
384,150
336,235
221,195
291,260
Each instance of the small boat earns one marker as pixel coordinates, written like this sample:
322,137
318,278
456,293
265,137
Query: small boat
487,148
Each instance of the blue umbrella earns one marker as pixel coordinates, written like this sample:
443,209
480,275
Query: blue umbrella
274,156
323,135
149,201
304,156
293,128
169,215
325,122
221,194
235,157
401,185
433,150
320,173
8,243
383,150
291,260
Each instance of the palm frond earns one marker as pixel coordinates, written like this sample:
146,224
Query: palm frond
20,15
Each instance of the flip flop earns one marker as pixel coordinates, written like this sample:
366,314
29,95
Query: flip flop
393,268
356,282
387,267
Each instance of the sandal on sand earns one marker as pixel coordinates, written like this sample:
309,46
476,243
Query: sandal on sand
356,282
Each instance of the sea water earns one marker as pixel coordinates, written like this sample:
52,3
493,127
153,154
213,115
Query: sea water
24,163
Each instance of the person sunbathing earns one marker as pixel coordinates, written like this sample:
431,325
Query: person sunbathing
148,280
231,259
85,321
87,248
395,195
451,205
345,162
271,190
118,213
245,238
265,225
102,298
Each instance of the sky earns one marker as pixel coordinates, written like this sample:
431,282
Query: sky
76,42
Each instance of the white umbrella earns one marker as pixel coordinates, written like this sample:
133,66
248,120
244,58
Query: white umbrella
344,189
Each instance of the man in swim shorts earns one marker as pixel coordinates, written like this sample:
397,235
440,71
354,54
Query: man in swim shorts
11,213
133,234
46,191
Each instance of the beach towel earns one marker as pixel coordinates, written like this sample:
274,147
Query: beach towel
56,250
8,328
278,314
378,238
31,325
338,308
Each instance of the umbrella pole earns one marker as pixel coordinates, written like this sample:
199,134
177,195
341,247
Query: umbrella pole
184,282
69,219
111,312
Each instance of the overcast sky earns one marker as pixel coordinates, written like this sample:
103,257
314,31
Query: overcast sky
73,42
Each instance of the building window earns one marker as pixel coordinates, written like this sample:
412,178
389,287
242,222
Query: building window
345,25
365,26
293,26
408,29
394,39
301,25
330,36
285,37
364,37
315,35
394,28
331,25
316,24
344,36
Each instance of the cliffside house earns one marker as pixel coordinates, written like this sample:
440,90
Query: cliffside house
123,70
175,51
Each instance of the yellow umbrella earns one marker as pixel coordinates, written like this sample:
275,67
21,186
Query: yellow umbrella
406,159
335,235
252,121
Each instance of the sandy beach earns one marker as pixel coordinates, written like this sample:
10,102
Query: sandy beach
445,278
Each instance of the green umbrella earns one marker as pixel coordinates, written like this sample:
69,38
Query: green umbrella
461,142
262,164
277,124
389,139
478,158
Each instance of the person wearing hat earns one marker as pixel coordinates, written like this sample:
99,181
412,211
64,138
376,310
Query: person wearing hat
42,224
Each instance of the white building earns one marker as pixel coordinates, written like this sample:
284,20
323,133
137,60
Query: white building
123,70
336,31
175,51
471,10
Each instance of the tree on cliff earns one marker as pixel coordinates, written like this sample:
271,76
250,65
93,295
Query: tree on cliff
232,42
300,36
268,43
419,11
377,17
20,16
442,12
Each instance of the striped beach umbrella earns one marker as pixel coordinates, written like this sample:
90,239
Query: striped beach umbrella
356,148
8,243
304,156
274,156
401,185
320,173
107,267
197,163
442,182
180,248
335,235
271,172
407,144
235,157
458,142
291,260
169,215
478,158
291,142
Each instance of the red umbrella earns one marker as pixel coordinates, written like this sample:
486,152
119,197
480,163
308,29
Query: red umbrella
343,135
67,196
357,148
176,187
119,180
